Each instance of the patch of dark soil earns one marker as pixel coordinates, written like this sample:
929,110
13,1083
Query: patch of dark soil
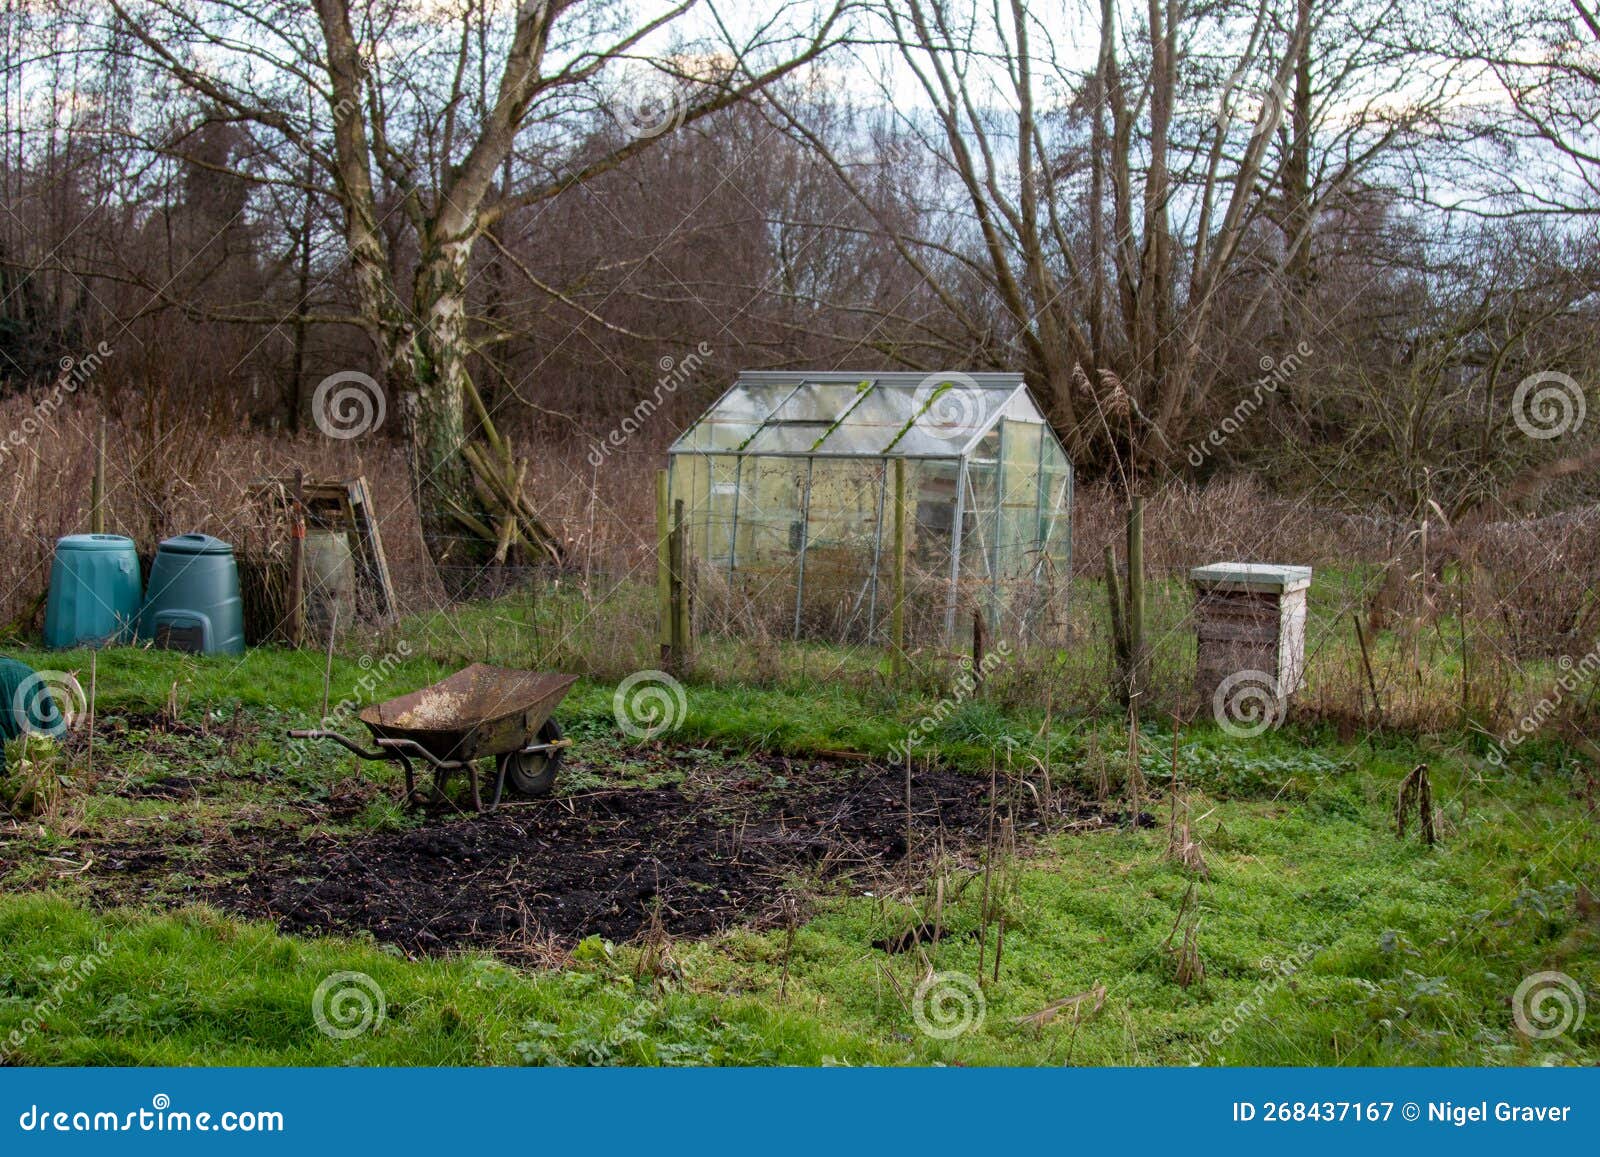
348,798
134,859
168,787
604,863
911,937
159,723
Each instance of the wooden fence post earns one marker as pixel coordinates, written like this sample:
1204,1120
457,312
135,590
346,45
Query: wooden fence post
297,560
980,649
1135,616
97,490
897,628
664,536
681,621
1119,629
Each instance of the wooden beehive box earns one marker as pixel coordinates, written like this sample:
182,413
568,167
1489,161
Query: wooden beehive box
1250,617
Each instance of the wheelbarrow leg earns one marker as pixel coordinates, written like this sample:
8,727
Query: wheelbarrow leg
411,778
472,778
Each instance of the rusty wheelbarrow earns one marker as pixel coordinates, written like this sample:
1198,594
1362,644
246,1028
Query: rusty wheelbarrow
478,712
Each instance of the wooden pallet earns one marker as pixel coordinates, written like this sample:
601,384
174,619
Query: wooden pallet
347,505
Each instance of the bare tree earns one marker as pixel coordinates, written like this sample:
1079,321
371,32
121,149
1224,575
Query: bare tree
431,126
1114,210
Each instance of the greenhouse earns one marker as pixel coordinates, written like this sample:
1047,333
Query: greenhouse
811,499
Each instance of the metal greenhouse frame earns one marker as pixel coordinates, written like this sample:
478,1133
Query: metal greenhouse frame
801,489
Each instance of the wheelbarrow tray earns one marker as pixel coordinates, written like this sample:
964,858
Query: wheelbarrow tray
478,711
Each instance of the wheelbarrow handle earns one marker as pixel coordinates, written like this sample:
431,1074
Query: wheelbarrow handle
545,748
342,740
412,747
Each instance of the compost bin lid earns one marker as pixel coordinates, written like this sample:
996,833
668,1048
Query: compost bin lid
195,544
94,542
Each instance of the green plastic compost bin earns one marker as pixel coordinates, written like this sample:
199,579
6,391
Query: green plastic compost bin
193,603
94,591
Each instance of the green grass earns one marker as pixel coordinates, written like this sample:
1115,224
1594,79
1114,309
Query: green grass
192,987
1402,955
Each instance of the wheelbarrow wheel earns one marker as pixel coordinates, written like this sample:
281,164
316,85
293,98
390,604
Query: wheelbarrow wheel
533,774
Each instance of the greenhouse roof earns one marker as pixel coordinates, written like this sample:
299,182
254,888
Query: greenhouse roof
844,414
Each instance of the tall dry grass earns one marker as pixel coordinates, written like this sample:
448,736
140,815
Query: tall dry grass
1466,624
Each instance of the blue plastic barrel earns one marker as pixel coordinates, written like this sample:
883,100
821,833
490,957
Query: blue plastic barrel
193,601
94,591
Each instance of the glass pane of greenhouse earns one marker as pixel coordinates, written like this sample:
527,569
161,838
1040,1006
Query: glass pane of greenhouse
790,482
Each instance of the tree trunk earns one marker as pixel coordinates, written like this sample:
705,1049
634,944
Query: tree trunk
431,373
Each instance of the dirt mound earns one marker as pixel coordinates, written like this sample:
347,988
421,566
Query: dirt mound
606,863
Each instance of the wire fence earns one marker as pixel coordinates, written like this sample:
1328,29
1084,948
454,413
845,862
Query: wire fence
1481,626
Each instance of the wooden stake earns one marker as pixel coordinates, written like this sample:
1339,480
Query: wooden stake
93,692
1119,630
663,568
1136,655
897,621
980,647
97,491
1366,661
327,670
679,557
297,560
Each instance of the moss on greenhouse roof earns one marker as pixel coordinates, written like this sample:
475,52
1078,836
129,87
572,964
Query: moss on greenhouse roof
851,414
